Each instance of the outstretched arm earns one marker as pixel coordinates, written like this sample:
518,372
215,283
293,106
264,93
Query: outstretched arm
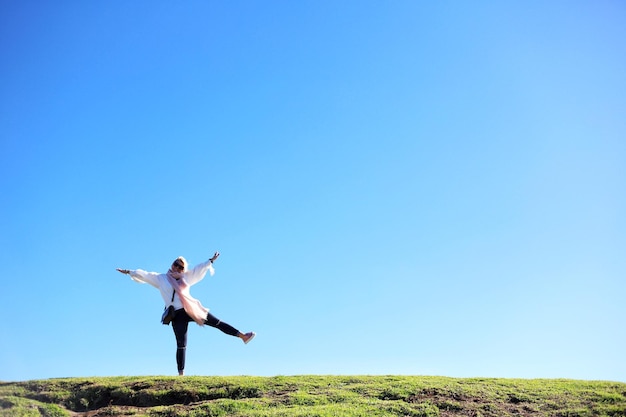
142,276
199,271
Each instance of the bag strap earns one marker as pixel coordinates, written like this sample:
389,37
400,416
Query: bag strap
173,296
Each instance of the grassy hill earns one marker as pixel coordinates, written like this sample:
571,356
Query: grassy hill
311,396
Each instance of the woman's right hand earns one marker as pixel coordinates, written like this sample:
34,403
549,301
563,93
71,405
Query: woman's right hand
123,271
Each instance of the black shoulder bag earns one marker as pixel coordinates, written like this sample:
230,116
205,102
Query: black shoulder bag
169,313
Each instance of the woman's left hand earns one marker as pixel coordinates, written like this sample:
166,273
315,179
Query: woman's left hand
215,256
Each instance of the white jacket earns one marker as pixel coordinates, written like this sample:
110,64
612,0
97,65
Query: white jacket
159,281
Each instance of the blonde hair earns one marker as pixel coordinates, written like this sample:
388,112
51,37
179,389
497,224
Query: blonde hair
183,260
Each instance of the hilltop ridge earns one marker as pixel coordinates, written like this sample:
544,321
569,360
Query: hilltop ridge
311,395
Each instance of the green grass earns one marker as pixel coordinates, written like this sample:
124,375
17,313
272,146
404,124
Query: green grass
322,396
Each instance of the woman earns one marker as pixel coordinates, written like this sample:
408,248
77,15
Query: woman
174,287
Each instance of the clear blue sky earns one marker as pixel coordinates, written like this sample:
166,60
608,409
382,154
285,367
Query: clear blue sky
396,187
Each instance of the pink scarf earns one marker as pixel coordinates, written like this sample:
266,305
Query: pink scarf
192,306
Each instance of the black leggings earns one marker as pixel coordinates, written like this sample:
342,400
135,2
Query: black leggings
180,323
